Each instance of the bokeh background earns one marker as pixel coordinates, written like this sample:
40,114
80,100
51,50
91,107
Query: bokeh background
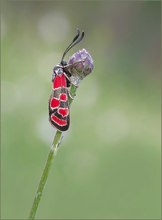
108,166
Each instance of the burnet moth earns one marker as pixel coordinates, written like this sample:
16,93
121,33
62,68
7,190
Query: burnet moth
59,112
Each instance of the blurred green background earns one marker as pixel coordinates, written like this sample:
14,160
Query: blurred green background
108,166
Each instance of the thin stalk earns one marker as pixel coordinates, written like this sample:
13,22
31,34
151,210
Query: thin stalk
44,177
53,151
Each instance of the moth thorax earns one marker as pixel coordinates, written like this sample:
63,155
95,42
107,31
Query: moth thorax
58,70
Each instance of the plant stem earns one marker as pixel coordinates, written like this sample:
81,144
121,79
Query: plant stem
46,170
53,151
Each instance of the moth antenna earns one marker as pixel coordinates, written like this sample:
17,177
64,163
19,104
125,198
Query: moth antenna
75,41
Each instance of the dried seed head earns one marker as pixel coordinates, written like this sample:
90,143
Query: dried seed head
81,65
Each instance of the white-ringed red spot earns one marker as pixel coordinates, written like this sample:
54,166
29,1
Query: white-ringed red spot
59,81
54,103
63,111
63,97
58,121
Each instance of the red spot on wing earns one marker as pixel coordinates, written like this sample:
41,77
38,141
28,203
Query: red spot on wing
54,103
58,121
63,111
63,97
59,81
